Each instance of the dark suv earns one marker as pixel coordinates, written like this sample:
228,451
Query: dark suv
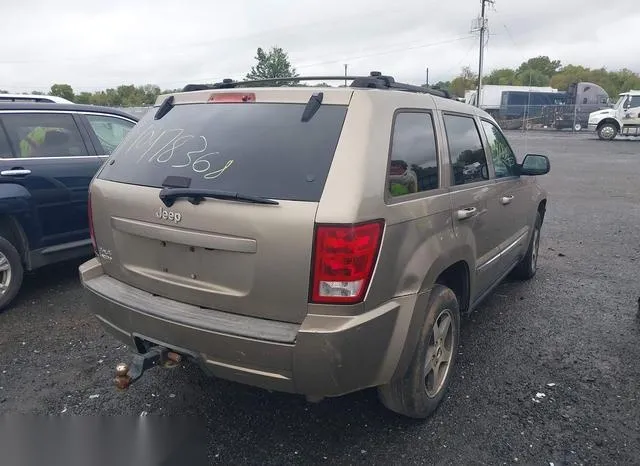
49,153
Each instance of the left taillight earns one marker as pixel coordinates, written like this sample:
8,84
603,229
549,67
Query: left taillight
91,231
343,262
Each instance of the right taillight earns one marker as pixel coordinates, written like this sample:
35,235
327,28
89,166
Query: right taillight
343,262
91,232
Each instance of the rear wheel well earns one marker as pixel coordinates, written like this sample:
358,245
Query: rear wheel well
11,230
456,278
542,208
608,121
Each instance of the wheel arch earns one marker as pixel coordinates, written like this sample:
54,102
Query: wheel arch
542,209
457,277
612,121
454,274
11,230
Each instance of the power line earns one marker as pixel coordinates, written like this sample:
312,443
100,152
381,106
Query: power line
342,59
400,47
386,52
510,36
464,57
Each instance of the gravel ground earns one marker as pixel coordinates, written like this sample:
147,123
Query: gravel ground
549,370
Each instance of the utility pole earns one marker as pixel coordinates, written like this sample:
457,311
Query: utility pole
482,27
427,81
346,67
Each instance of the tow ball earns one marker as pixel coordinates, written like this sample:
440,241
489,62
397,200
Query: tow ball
126,375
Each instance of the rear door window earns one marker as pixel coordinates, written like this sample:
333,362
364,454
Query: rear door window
468,160
44,134
5,147
414,159
259,149
110,131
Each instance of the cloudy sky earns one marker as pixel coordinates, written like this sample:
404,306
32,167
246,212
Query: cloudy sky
92,45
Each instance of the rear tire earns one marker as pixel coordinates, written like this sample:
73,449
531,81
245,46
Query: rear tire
528,267
11,273
418,392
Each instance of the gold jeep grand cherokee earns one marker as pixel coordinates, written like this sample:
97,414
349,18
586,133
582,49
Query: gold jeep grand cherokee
262,232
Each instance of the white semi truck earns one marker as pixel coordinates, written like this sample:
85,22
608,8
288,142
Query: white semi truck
623,119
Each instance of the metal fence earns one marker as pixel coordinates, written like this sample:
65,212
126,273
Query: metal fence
540,117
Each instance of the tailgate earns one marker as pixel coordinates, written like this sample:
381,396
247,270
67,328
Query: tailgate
242,258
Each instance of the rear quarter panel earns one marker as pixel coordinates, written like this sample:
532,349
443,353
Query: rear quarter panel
418,241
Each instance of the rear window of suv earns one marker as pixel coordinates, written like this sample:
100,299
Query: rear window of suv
259,149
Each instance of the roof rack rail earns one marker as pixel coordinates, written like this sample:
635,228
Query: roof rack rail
375,80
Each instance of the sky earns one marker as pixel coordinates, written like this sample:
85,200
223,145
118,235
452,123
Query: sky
95,45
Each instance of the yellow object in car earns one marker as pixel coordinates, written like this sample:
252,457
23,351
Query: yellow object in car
32,140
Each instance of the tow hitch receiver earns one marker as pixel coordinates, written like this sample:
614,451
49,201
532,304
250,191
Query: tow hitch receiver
156,355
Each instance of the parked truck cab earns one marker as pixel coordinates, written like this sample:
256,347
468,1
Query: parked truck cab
623,119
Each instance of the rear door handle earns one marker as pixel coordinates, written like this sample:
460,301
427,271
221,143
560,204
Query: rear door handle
15,172
469,212
506,200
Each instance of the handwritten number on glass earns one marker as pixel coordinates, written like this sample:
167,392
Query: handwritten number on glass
150,139
188,155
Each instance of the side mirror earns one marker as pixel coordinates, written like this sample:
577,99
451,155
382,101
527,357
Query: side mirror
484,171
534,165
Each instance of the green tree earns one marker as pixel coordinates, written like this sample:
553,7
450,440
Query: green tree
603,78
84,98
613,82
466,81
503,77
532,77
62,90
272,64
151,93
570,74
624,80
37,93
442,85
543,64
113,98
2,91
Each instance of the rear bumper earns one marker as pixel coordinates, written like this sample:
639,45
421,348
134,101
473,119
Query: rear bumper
323,356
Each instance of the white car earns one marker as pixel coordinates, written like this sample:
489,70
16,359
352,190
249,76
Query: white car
50,99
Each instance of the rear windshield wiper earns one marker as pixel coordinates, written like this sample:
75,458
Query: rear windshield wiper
195,196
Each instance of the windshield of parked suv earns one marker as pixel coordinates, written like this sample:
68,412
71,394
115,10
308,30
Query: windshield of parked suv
259,149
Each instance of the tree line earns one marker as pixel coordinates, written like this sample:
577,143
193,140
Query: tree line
543,71
275,63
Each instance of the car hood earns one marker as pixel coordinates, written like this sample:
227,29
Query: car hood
603,113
